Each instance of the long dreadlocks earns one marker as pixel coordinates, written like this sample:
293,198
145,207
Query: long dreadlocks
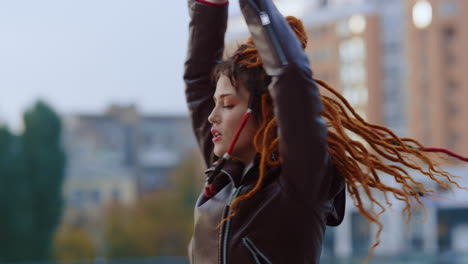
356,163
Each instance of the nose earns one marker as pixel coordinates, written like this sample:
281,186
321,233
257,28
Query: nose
213,117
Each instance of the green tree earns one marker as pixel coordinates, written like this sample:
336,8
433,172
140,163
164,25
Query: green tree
44,157
15,200
31,176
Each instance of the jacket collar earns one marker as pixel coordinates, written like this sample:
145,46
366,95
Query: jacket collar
236,170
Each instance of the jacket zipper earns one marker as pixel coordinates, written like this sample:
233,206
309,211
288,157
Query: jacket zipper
224,237
264,17
255,251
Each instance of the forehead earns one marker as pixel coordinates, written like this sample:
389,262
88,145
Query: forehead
224,86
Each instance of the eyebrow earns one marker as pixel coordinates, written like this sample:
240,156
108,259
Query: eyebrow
222,95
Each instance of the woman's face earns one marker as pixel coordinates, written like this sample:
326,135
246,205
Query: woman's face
230,107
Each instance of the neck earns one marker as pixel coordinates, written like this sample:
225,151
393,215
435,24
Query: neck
247,159
249,165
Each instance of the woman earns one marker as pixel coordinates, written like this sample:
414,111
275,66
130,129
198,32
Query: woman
281,156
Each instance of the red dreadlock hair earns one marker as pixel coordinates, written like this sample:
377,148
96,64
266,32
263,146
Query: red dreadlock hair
357,164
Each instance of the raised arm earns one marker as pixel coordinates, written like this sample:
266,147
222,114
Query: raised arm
208,22
302,130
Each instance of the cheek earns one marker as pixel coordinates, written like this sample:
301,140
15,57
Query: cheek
232,120
250,130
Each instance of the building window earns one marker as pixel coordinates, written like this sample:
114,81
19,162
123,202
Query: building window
328,242
453,139
451,231
353,73
449,35
154,178
416,239
321,55
95,197
342,28
116,196
318,32
448,9
451,88
391,48
77,198
360,234
148,140
453,110
353,49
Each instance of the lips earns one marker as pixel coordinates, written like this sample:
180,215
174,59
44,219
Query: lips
216,135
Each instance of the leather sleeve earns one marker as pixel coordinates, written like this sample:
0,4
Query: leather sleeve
205,49
302,130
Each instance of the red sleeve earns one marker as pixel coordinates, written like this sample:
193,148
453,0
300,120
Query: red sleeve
211,4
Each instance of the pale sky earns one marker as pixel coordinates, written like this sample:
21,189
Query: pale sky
80,56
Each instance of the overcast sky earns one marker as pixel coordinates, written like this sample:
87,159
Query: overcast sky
80,56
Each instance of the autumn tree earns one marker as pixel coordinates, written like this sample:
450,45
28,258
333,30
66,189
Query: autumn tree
161,223
72,244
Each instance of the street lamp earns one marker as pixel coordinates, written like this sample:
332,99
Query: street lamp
422,14
422,18
357,24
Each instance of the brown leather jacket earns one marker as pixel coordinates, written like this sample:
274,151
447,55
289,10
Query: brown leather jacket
285,221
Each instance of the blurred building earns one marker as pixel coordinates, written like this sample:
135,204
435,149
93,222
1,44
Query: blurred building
444,232
437,80
118,157
121,154
362,48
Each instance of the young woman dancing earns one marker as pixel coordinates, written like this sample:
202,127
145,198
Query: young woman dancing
279,156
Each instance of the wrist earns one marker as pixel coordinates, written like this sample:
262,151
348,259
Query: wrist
213,2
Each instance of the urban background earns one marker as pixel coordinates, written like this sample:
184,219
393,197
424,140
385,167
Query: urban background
98,162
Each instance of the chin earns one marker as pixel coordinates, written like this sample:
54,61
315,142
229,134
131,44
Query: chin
219,152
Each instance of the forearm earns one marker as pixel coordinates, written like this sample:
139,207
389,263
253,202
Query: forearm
205,49
302,130
207,28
